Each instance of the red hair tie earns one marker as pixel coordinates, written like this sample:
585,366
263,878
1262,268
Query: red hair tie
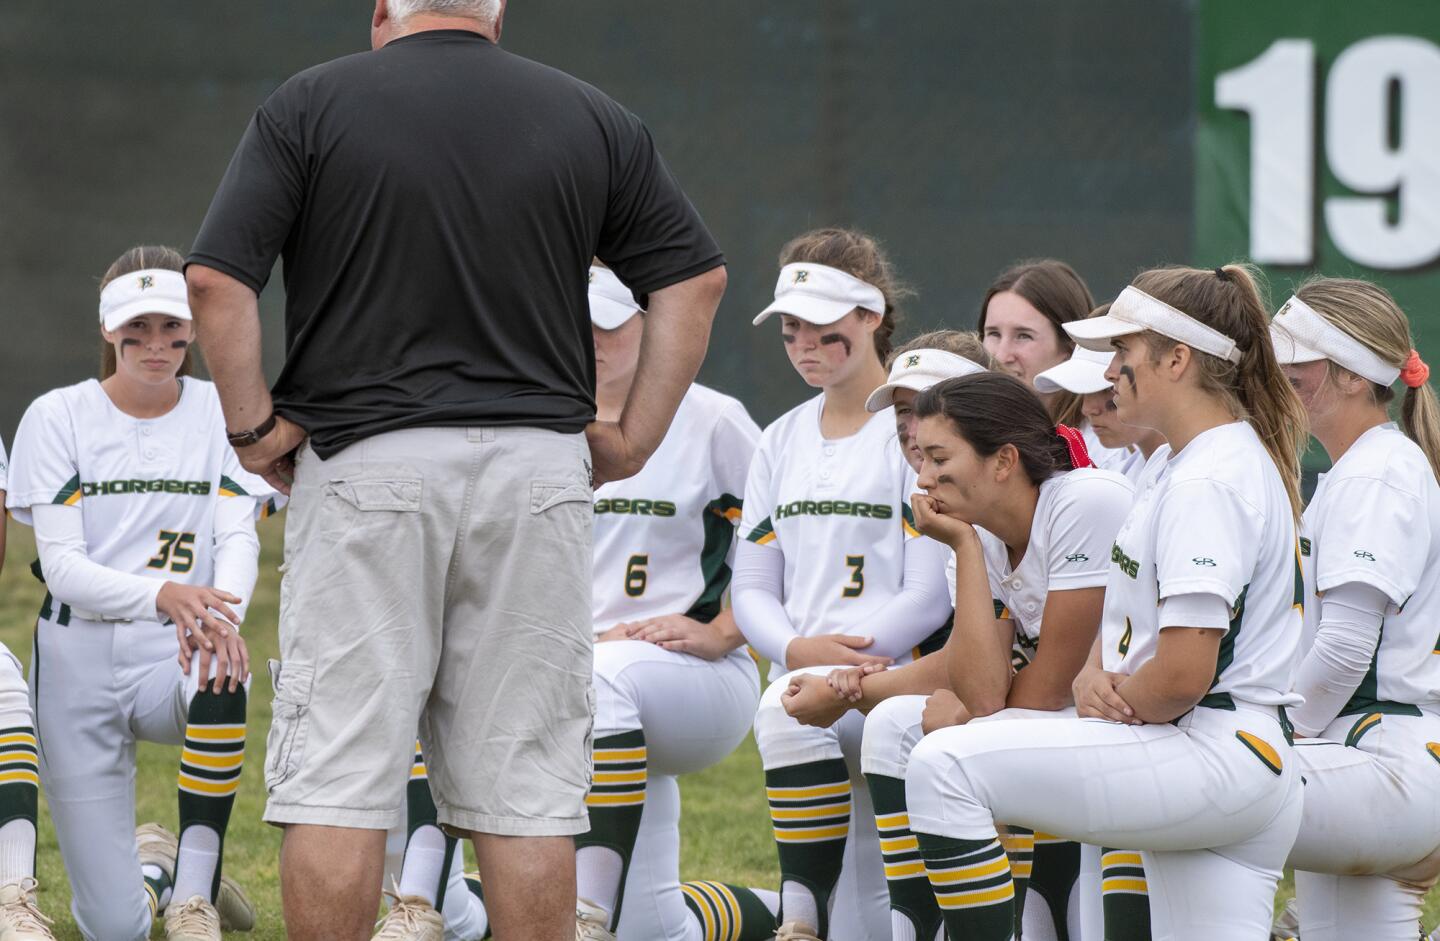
1075,441
1414,373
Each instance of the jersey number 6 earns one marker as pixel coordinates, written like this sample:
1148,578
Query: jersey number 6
177,552
635,575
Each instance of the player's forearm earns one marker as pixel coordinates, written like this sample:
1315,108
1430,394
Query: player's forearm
227,326
677,333
920,678
977,662
73,579
1158,692
1041,686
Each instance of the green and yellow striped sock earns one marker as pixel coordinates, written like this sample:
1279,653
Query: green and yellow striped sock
1057,868
972,885
728,912
210,766
420,811
1019,843
810,814
615,803
910,894
1125,896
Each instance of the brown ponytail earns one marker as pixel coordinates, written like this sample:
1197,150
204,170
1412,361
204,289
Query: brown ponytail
140,258
1229,300
992,409
1368,314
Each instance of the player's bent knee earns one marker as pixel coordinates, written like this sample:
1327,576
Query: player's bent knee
892,730
112,922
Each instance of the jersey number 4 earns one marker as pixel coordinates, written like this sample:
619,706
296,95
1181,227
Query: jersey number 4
177,552
857,577
636,578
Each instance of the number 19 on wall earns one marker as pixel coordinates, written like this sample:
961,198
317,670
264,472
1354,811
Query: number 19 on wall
1381,112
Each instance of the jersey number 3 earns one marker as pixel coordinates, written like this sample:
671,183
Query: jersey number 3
857,577
636,578
177,552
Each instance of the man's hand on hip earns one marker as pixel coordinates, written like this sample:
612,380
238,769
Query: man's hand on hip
273,456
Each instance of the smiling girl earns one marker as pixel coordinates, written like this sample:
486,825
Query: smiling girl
145,527
831,573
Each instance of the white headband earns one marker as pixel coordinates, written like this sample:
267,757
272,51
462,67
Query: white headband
820,294
1083,373
1300,335
918,370
611,303
1134,311
150,291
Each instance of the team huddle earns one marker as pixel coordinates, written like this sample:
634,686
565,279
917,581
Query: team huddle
1056,650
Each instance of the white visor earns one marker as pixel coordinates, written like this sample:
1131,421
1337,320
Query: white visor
1134,311
1083,373
918,370
150,291
1300,335
611,303
820,294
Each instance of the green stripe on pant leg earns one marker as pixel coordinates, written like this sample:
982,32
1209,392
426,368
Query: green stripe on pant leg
728,912
210,765
810,816
1125,895
616,801
910,893
972,885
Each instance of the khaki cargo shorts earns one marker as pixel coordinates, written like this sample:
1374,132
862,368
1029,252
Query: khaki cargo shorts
436,579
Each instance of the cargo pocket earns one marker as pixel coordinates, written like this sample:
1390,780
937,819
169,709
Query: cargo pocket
545,494
290,714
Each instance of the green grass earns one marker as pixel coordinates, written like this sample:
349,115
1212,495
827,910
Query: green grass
725,833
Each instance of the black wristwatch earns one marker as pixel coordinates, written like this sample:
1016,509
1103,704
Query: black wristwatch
243,439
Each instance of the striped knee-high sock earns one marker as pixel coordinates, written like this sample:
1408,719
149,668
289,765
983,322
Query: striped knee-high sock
210,766
972,885
729,912
1125,896
810,814
1057,868
1019,843
19,802
615,802
911,899
429,850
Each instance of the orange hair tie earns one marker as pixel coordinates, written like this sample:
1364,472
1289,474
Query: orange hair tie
1414,373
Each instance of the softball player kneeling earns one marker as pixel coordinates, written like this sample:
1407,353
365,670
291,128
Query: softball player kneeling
993,459
829,552
1180,747
1369,844
139,506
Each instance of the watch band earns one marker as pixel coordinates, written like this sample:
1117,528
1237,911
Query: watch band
243,439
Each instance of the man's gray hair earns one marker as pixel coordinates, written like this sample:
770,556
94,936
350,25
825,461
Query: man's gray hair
483,10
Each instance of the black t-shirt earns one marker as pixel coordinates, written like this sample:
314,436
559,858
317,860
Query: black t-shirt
437,204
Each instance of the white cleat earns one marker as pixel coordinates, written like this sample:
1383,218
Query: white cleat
20,919
157,846
193,920
410,918
591,922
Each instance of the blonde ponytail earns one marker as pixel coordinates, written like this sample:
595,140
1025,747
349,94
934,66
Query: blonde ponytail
1230,300
1369,315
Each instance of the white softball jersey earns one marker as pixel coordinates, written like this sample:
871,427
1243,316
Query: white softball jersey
1375,519
4,467
1076,517
1214,519
664,538
147,489
839,510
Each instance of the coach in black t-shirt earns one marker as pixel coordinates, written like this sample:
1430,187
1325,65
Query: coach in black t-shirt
437,203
